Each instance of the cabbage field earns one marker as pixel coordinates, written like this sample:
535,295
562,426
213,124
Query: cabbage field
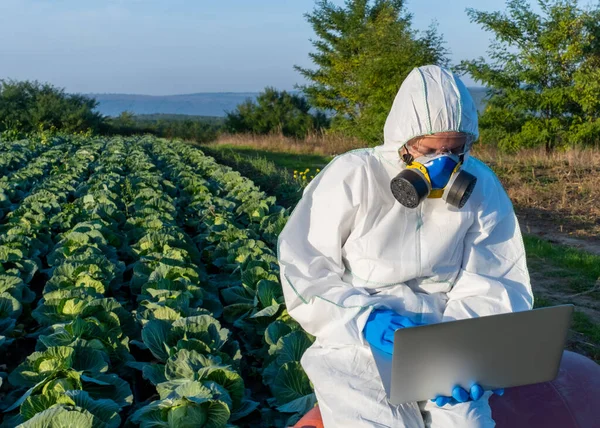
139,286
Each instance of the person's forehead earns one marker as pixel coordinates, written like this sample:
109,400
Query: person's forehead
444,139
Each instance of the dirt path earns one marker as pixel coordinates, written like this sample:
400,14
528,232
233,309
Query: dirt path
548,230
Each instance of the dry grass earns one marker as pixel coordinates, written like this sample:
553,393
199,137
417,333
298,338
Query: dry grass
317,144
557,191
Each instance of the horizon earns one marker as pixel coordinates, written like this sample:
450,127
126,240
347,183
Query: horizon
207,92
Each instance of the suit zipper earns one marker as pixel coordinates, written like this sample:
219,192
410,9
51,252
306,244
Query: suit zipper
418,238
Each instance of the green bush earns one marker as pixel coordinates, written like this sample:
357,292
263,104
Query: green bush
275,112
27,107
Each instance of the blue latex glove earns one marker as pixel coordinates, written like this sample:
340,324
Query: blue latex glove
380,327
459,395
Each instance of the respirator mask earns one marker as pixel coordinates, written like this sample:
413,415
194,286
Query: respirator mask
437,174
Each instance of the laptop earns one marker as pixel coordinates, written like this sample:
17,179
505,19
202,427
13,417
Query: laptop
496,351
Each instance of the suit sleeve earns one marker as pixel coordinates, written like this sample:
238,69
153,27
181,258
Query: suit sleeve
310,255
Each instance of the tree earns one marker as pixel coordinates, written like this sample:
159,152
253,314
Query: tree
364,50
30,106
543,75
275,112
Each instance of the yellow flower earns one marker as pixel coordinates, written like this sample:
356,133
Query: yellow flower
318,170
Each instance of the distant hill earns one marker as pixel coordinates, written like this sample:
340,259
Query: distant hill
200,104
157,117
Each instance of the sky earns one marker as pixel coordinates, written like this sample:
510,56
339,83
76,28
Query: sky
164,47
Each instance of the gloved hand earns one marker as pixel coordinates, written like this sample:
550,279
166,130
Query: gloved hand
380,327
459,395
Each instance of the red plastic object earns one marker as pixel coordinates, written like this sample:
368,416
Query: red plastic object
572,400
311,420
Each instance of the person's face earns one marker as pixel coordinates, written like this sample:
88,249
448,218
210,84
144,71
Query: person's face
438,143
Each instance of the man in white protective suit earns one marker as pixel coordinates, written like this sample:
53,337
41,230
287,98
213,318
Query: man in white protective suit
385,231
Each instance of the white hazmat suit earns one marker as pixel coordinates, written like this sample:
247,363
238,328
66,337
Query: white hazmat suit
350,247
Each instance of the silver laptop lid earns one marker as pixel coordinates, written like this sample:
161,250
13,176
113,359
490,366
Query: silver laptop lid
496,351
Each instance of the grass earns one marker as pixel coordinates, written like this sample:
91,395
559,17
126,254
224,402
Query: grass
584,325
265,173
541,301
584,265
289,161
